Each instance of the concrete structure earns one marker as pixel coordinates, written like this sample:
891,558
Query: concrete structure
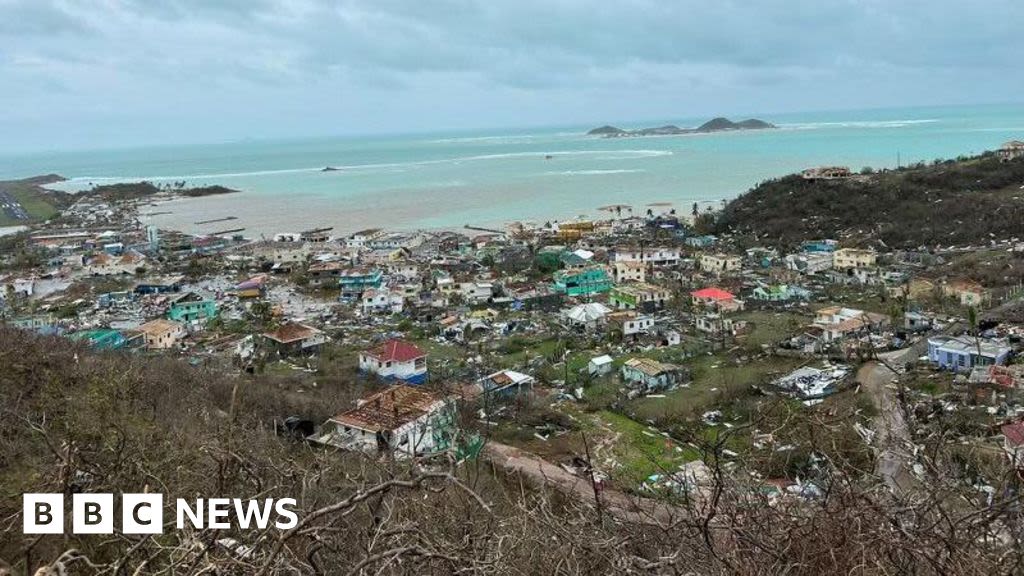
963,353
652,255
161,334
402,419
191,307
847,258
1011,150
640,296
645,375
396,359
720,263
624,272
586,282
826,173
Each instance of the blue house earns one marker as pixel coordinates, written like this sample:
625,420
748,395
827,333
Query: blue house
701,241
963,353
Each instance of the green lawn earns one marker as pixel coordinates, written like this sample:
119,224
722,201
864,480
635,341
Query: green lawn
34,203
717,381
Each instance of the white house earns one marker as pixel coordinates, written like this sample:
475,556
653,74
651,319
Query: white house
600,365
395,359
382,300
402,419
655,256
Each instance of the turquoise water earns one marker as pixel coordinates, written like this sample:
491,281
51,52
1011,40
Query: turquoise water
487,178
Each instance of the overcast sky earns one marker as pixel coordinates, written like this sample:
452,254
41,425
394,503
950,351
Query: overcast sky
100,73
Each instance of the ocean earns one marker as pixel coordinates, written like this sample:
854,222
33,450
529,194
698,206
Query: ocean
490,178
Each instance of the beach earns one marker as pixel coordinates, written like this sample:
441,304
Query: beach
493,177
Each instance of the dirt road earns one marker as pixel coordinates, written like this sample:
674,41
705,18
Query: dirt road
892,440
543,473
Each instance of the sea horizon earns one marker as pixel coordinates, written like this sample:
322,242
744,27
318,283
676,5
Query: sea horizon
483,178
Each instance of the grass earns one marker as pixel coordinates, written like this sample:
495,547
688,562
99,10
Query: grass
717,381
34,203
770,327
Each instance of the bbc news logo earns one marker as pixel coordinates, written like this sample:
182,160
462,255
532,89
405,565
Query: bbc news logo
144,513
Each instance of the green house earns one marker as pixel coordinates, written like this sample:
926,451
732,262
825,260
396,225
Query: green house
190,307
594,280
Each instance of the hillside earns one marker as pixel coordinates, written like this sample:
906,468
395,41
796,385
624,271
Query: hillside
950,203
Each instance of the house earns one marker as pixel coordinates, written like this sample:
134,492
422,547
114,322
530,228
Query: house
162,285
1011,150
779,293
505,384
101,338
836,323
191,307
963,353
359,239
720,263
809,263
1013,443
848,258
585,282
325,273
701,241
355,281
589,315
395,359
406,420
819,246
382,300
716,299
640,296
623,272
968,292
161,334
653,256
476,292
294,339
631,323
716,324
826,173
600,365
645,375
105,264
917,322
315,236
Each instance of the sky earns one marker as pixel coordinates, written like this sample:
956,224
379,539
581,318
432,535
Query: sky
121,73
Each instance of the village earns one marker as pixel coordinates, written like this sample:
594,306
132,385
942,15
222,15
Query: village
638,349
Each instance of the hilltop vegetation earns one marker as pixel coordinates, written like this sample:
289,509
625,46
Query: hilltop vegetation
969,201
719,124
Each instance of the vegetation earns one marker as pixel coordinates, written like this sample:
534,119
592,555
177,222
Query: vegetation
73,420
962,202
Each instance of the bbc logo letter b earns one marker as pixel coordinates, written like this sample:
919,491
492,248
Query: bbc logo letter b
43,513
92,514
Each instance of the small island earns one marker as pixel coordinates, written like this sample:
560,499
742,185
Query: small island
719,124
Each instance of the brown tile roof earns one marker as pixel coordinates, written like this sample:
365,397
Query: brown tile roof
389,409
158,327
291,332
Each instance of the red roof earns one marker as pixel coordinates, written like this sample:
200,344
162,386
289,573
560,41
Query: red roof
396,351
712,294
1014,433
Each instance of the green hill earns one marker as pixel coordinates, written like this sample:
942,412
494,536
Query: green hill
963,202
